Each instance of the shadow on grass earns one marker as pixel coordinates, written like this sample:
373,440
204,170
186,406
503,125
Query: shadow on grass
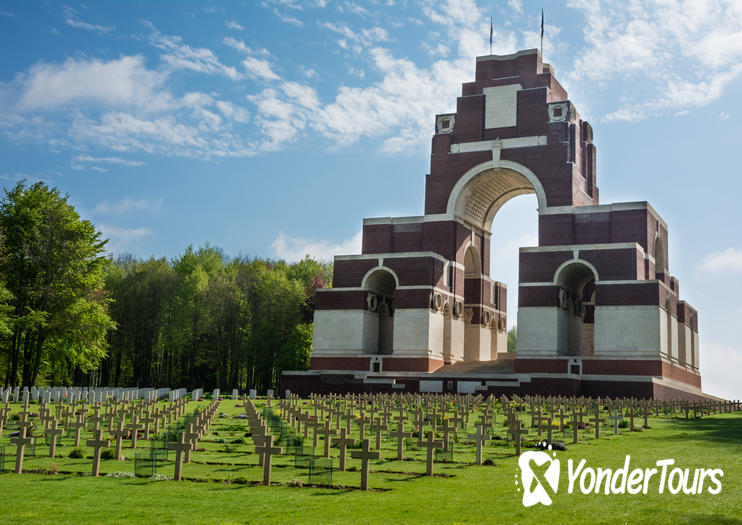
713,519
411,477
229,486
333,492
58,477
716,430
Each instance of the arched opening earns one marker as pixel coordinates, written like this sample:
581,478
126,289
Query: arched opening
476,200
472,302
515,226
380,286
481,191
386,329
576,319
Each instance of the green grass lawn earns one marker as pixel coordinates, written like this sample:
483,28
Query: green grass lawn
462,493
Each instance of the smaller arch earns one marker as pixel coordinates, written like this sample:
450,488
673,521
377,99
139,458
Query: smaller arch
576,323
381,280
573,274
472,261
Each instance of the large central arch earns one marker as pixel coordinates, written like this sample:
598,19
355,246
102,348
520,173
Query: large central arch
483,189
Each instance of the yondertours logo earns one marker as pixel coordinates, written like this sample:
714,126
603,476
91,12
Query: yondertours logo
539,478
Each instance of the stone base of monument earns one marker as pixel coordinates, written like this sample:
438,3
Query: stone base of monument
449,379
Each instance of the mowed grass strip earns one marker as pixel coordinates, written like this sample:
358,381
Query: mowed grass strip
468,493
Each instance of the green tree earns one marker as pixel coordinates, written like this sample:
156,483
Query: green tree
297,350
513,340
6,312
52,262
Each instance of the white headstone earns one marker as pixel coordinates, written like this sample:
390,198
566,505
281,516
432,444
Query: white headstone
253,393
235,393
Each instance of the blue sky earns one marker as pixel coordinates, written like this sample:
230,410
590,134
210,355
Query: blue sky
273,128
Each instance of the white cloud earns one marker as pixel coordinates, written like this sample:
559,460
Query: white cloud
288,19
8,14
353,8
633,114
373,34
125,132
401,105
729,260
232,111
240,46
516,6
72,20
724,116
82,162
121,239
259,69
360,73
120,105
673,54
309,73
122,82
182,56
298,5
679,94
721,367
293,249
128,204
231,24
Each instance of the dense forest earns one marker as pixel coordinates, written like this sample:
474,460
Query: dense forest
72,315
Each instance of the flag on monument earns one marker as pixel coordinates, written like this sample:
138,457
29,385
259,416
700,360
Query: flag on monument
542,31
542,23
491,31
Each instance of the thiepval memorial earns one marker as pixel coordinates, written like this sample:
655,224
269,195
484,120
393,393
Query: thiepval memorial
598,311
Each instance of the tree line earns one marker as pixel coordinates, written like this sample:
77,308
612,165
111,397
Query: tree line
72,315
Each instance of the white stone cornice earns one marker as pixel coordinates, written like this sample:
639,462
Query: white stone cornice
489,145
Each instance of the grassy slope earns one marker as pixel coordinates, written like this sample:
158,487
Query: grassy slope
472,495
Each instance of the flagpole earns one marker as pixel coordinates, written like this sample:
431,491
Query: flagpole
542,33
490,35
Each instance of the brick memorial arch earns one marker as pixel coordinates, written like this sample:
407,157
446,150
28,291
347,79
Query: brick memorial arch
598,311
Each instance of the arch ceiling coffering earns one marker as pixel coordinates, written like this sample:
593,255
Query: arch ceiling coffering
481,191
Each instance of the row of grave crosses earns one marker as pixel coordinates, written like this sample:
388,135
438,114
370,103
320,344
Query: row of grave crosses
74,418
188,440
262,438
333,415
449,414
